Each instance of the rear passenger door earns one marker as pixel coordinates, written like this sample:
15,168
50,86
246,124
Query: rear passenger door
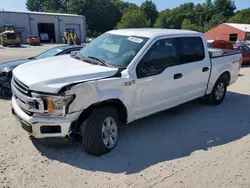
195,67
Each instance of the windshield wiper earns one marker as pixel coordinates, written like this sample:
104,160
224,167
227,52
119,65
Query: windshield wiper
100,60
78,56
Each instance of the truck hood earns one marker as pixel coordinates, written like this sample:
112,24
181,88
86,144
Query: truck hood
52,74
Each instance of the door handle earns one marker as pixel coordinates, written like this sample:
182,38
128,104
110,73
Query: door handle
177,76
205,69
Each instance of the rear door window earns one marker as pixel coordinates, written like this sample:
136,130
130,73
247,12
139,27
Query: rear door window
191,49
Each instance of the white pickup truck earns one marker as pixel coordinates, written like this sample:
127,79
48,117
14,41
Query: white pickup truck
121,76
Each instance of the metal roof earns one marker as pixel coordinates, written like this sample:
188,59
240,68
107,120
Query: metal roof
242,27
42,13
149,32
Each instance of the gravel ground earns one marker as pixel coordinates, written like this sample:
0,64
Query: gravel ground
193,145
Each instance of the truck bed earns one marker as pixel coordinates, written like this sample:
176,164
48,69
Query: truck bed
215,53
222,60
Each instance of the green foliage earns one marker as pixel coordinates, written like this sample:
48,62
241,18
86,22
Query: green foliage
54,6
34,5
226,7
186,24
173,18
215,20
242,16
78,6
133,19
102,15
150,10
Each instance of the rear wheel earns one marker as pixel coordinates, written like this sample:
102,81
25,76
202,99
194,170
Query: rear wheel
100,130
219,91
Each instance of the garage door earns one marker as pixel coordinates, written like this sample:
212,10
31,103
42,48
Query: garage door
74,26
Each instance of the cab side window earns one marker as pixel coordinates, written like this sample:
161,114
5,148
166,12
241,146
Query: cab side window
191,49
160,56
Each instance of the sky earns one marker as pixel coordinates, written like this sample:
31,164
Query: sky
19,5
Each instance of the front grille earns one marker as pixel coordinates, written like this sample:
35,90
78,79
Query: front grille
20,86
28,103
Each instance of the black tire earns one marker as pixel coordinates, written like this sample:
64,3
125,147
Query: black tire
91,130
212,98
5,92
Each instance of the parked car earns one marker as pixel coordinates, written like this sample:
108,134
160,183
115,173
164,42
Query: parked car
245,51
220,44
121,76
7,67
33,40
44,36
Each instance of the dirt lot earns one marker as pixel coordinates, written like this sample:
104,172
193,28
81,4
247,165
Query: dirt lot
194,145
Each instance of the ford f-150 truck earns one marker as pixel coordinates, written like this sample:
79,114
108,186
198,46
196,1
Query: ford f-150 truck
121,76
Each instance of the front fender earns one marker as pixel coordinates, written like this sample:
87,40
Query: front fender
94,92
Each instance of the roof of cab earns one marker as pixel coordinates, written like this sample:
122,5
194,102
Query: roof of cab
150,32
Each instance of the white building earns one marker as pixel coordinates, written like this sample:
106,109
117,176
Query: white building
36,23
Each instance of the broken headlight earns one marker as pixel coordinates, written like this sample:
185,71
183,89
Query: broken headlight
57,106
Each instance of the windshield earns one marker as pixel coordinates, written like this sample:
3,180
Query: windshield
115,50
11,36
49,53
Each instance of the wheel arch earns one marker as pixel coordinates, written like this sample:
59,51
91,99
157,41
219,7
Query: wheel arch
116,103
212,82
227,77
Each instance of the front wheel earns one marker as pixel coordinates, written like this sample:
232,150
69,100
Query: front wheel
100,131
219,92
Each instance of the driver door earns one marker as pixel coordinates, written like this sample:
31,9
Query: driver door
159,82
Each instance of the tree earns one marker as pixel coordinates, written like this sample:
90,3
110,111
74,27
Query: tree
241,16
226,7
34,5
54,6
133,19
186,24
79,6
102,15
173,18
216,20
150,10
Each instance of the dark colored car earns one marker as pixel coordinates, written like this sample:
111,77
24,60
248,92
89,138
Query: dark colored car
245,51
7,67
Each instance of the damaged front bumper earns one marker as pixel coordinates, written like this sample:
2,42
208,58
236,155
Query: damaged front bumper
44,127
